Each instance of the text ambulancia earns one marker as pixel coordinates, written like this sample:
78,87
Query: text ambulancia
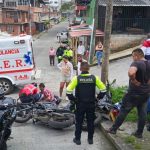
16,61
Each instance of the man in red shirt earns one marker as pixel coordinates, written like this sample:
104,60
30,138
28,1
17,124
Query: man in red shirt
47,95
28,93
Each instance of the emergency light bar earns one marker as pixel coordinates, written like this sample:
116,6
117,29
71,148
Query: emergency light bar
16,42
21,42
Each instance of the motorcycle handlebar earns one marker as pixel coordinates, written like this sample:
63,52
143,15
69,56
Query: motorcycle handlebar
8,106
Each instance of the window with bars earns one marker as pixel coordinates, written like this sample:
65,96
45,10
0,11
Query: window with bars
23,2
11,4
10,28
11,14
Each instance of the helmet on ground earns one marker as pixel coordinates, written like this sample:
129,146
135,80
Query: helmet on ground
2,93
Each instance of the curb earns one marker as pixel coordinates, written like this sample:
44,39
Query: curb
35,37
119,55
122,54
114,140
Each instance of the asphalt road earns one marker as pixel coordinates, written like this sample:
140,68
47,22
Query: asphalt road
36,137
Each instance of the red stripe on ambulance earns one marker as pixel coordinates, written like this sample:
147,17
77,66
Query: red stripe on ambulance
15,71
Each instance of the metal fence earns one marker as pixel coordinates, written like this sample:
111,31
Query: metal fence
130,25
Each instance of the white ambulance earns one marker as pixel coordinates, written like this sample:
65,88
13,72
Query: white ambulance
16,61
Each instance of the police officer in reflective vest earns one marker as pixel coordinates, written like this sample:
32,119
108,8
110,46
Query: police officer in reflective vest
85,85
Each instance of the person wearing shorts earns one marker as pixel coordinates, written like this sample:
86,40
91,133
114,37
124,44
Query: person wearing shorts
66,73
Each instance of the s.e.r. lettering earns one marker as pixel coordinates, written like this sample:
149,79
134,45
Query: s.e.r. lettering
7,63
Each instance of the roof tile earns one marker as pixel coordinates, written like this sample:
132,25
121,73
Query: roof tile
127,2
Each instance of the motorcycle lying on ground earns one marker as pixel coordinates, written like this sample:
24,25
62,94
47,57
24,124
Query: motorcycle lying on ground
47,113
7,117
103,107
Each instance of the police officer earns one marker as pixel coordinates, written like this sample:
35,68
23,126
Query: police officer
69,53
84,99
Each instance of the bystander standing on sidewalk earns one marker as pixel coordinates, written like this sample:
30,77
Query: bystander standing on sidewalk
52,54
66,73
87,52
80,49
146,47
99,52
138,93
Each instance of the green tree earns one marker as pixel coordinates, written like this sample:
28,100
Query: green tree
67,6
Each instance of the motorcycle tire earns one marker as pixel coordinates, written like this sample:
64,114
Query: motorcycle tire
3,146
57,124
96,121
24,118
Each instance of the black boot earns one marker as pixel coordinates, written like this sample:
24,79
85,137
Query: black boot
90,141
77,141
137,135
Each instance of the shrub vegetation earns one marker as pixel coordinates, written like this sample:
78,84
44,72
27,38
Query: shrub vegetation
117,95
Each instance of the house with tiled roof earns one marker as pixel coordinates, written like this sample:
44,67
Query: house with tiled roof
16,16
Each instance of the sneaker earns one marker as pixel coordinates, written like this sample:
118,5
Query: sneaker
78,142
137,135
111,131
90,141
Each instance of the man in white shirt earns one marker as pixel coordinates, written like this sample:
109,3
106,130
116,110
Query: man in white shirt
81,49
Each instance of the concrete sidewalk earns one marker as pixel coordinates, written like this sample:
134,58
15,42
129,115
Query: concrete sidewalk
122,54
123,139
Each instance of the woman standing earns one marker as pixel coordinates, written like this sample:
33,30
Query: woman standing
99,52
52,54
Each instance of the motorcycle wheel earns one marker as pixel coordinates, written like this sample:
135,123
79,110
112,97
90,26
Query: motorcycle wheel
96,121
23,115
61,123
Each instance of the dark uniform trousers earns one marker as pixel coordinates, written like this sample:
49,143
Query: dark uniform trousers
88,110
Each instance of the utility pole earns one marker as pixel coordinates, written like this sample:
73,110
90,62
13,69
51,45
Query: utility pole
107,38
49,12
93,34
29,16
